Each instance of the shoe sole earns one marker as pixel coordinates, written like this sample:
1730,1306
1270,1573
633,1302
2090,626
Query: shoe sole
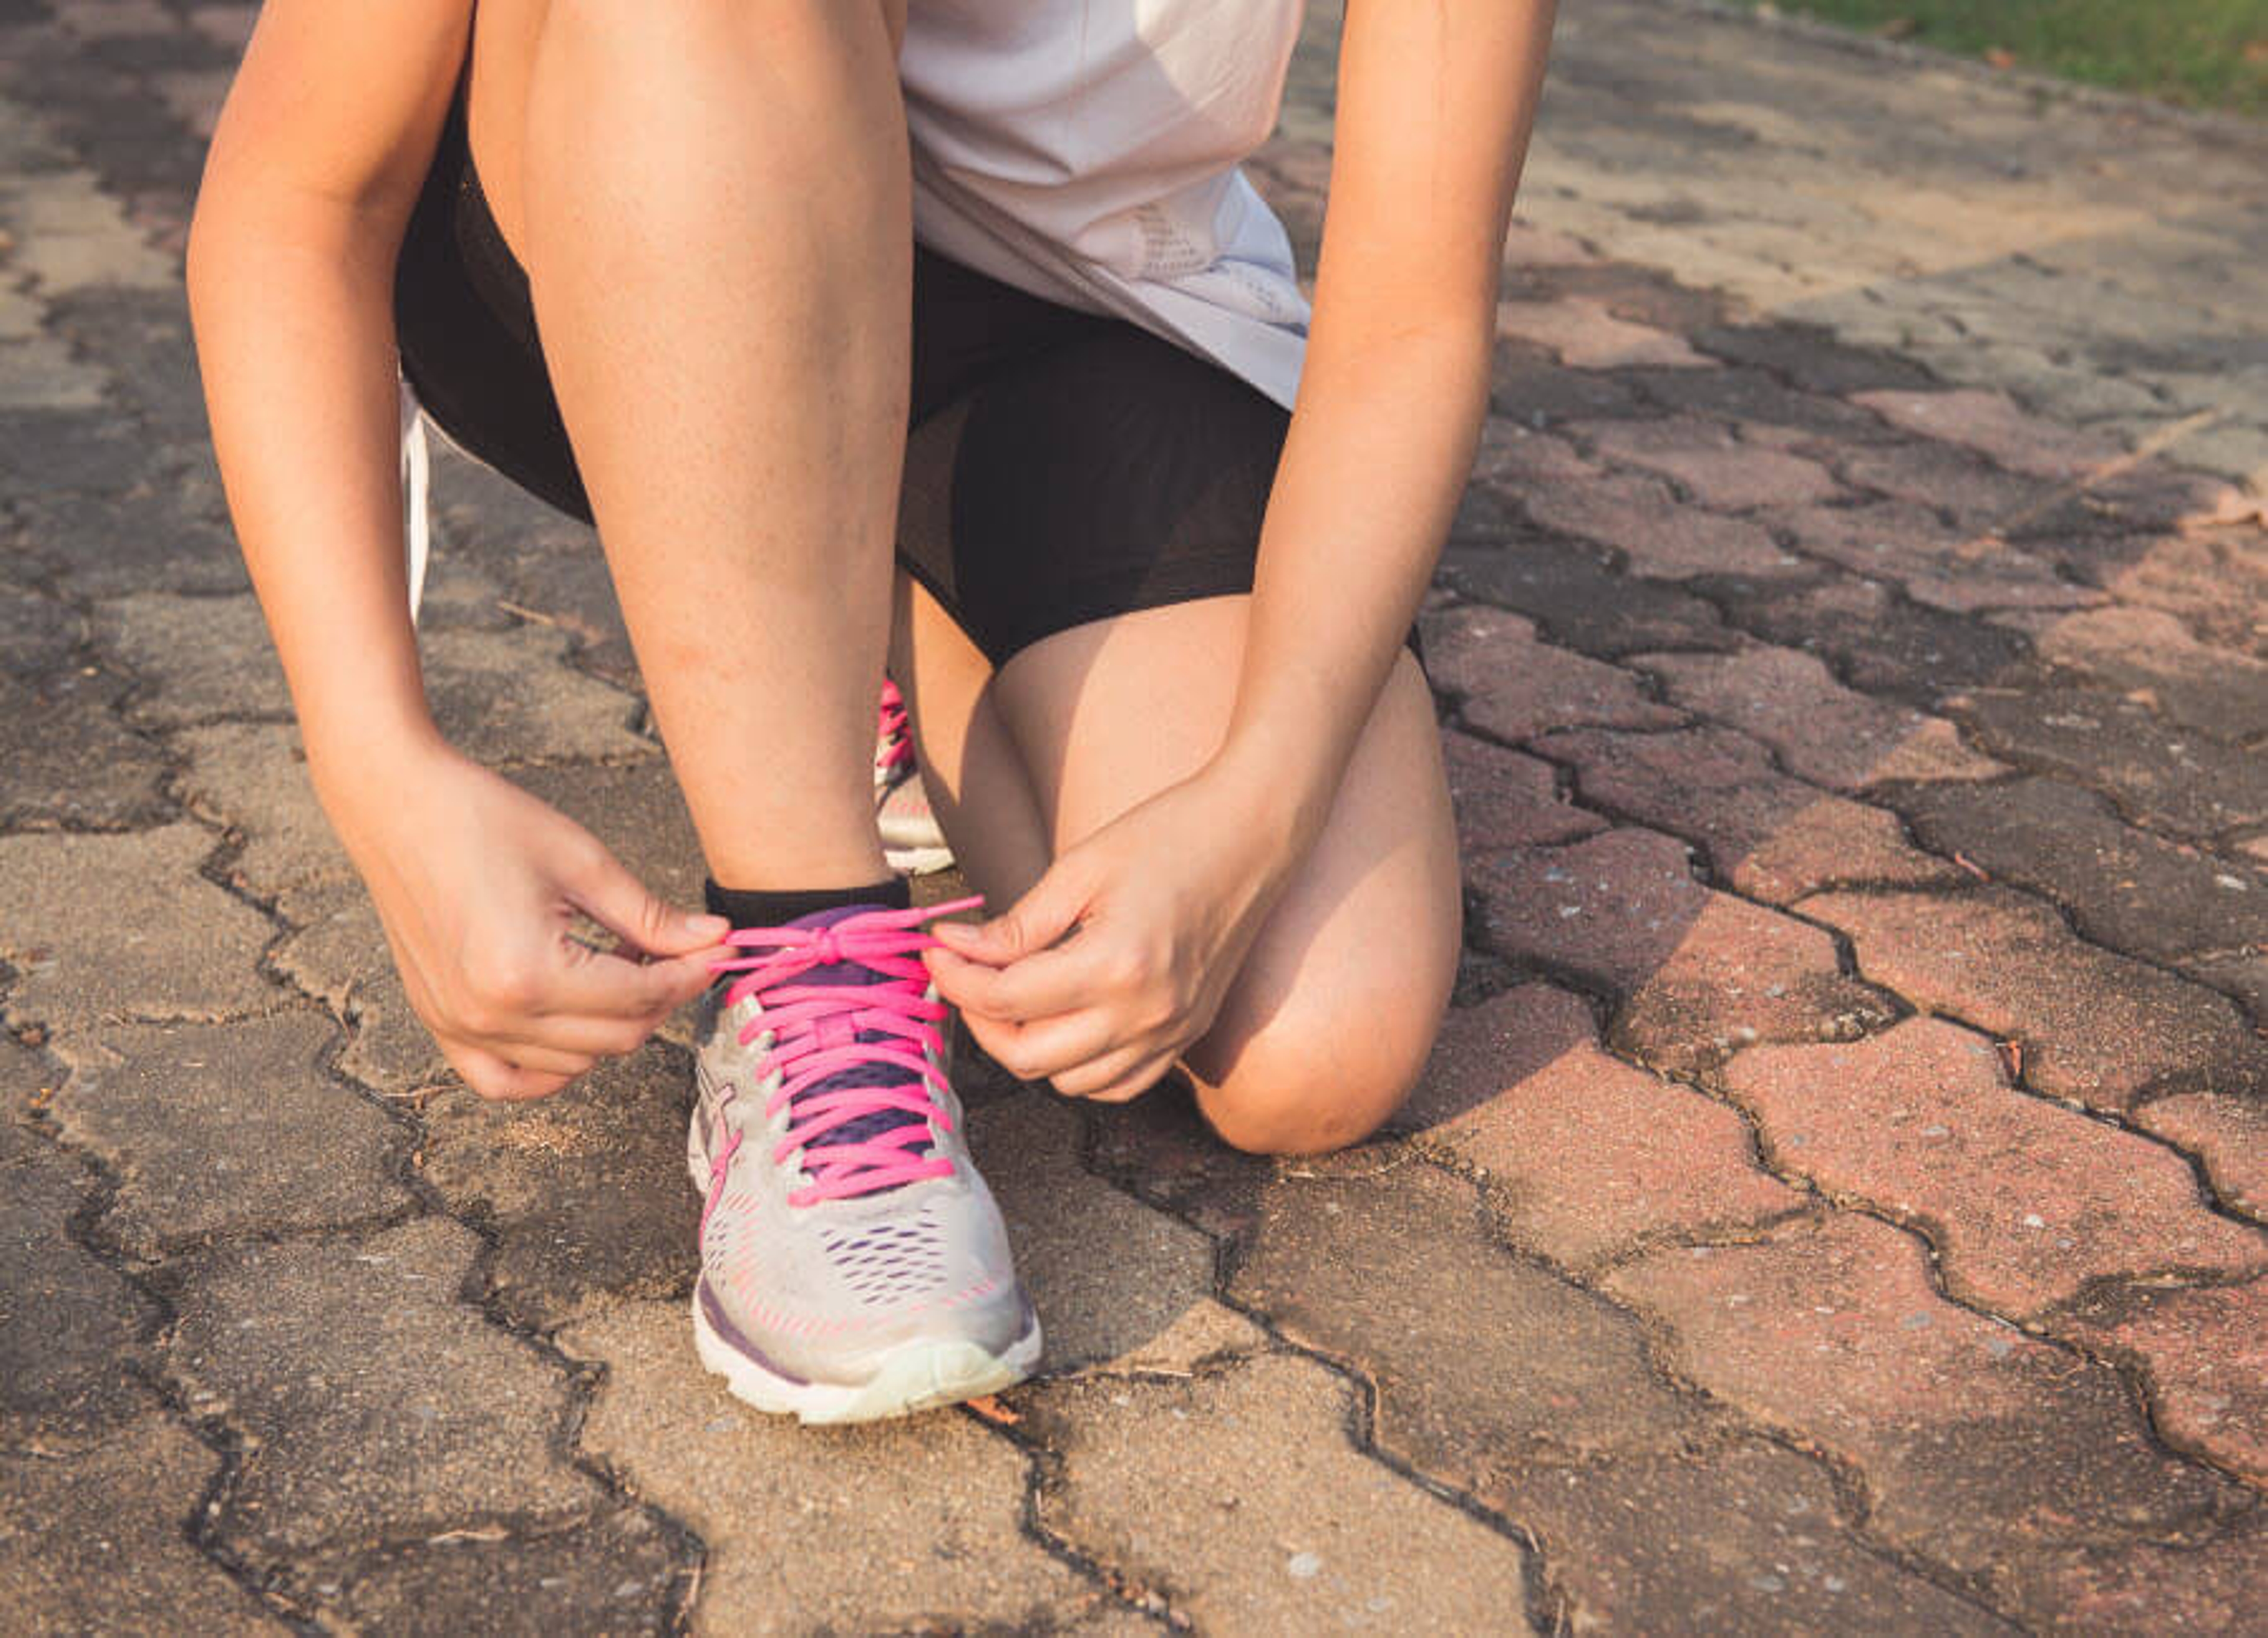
917,861
916,1377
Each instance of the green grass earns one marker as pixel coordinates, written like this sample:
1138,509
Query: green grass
2202,54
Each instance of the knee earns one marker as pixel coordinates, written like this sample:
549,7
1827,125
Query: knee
1314,1090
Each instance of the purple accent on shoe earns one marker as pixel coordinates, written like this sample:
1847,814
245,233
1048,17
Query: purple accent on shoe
866,1127
713,1311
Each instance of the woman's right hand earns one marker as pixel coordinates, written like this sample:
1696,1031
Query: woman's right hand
477,883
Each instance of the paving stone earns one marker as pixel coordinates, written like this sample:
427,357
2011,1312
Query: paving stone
1820,730
1528,389
585,1191
2091,1027
1508,799
252,776
213,1130
1581,331
2026,1202
1579,602
1741,1539
59,452
67,1325
617,1575
199,657
142,340
509,696
37,633
909,1524
2228,1134
1279,1524
636,809
1093,1309
42,373
1811,357
2167,777
1717,470
1767,837
1992,425
2206,578
1159,1149
1979,1447
2130,1587
1879,641
99,1542
1581,1156
1515,686
1516,459
349,1362
178,947
2204,1352
1936,565
1965,488
165,535
1661,537
1761,405
1702,974
71,762
2123,887
337,952
2148,654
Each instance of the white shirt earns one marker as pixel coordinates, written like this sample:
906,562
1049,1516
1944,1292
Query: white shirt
1088,150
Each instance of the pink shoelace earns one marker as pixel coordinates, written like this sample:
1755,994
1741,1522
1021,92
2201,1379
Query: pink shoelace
891,727
816,1030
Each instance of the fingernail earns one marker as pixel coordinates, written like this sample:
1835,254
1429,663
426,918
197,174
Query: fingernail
711,926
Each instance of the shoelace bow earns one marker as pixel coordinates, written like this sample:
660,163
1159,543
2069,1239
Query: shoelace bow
897,746
816,1030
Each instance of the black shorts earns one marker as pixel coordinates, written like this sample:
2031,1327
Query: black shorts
1061,465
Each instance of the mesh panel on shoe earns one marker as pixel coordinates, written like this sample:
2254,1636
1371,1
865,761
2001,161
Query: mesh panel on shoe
887,1262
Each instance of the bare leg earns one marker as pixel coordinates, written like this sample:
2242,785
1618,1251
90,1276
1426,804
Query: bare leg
712,199
1331,1019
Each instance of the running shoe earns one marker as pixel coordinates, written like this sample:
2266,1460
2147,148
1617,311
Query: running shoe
853,1264
911,840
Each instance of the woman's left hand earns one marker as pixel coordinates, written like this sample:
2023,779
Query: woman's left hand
1119,957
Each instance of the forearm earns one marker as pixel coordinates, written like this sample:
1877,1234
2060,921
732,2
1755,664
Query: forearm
292,310
1377,455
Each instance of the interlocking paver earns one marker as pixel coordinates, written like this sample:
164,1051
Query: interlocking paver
1993,426
1980,1448
1277,1524
252,776
160,536
2091,1027
1580,1156
1967,490
70,761
1878,641
1516,687
1578,602
2149,653
177,948
382,1406
1583,333
1820,730
338,954
1767,836
2229,1134
1937,565
212,1130
1702,973
97,1542
1662,537
888,1525
1718,470
2204,1351
2123,887
1508,799
2026,1202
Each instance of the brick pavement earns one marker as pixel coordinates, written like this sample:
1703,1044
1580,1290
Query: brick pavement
1837,1199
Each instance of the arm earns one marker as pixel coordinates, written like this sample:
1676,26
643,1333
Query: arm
316,164
1435,104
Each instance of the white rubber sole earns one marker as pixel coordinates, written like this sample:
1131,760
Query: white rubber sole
918,861
916,1377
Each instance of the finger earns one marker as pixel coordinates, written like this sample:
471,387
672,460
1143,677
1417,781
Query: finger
620,903
1133,1084
1044,986
1103,1071
593,984
587,1038
1036,922
1038,1051
493,1077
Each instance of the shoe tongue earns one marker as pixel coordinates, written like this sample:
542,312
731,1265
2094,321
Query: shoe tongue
865,1128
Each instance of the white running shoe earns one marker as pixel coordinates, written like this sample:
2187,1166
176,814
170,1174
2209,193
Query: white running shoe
911,840
853,1264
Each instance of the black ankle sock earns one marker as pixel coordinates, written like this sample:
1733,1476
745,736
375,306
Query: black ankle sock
751,907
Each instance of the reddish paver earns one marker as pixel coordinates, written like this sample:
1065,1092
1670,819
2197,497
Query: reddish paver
2219,1586
2090,1026
1508,799
1768,836
1717,470
2026,1201
1980,1448
1703,973
1820,730
1582,332
2204,1354
2149,654
1663,537
1990,424
1516,686
1967,490
1519,459
1954,569
1582,1156
2228,1134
